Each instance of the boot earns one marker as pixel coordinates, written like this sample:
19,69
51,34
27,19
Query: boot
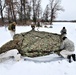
73,56
69,58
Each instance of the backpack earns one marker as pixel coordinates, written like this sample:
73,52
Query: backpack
9,27
12,27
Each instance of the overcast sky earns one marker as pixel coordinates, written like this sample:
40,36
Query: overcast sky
69,7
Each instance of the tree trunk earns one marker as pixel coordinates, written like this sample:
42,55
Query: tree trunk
1,13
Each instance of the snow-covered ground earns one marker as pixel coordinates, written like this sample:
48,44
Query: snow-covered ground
39,65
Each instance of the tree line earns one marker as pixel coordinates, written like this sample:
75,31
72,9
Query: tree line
29,10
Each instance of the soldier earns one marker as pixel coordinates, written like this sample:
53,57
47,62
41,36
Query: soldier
33,26
12,28
67,49
63,32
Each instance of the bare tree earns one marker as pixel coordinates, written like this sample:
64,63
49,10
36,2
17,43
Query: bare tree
20,10
54,8
38,9
34,10
11,10
1,10
24,4
28,11
46,13
24,9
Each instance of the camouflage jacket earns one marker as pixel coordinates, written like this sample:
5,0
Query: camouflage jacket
67,45
63,31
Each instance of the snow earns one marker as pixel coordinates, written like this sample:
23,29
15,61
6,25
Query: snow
46,65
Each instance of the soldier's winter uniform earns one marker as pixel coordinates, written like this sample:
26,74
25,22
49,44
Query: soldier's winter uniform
12,28
67,48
